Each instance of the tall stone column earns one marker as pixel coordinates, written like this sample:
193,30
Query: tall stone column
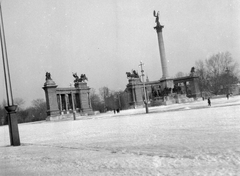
166,81
163,59
162,56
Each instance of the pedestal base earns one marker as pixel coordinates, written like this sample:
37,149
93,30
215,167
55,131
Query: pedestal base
87,111
166,82
13,129
55,112
136,105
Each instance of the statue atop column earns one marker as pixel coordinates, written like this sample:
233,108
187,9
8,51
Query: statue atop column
48,76
158,27
192,72
163,59
49,80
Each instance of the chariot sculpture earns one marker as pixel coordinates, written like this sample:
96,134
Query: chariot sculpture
82,78
134,74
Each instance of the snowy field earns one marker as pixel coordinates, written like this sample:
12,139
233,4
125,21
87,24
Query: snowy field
181,139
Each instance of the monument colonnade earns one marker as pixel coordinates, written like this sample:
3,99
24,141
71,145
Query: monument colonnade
67,100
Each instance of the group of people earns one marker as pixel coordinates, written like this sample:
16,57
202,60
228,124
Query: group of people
209,100
228,95
116,110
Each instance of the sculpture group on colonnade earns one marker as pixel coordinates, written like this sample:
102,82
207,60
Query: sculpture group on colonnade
82,78
134,74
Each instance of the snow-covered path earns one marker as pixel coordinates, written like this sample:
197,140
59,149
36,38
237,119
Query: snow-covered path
183,139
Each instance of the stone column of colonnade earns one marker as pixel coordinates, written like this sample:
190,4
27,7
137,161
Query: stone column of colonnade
69,101
60,102
66,101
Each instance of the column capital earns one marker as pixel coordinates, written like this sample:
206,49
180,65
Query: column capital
158,28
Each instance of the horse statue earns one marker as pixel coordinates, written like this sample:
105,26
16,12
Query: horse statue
76,77
134,74
82,78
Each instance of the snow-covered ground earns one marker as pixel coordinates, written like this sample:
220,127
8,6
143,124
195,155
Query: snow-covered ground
179,139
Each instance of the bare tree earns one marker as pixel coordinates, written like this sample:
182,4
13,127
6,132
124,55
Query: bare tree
38,111
3,117
201,72
218,63
96,102
212,72
104,92
180,74
37,103
20,102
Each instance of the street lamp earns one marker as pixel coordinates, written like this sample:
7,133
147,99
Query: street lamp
228,77
144,88
119,100
10,108
73,106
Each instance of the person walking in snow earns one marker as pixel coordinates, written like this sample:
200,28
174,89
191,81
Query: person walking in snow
209,101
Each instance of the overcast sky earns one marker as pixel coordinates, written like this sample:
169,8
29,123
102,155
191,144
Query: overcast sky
105,39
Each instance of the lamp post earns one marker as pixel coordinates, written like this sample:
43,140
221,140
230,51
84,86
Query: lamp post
10,108
73,106
119,100
228,77
144,88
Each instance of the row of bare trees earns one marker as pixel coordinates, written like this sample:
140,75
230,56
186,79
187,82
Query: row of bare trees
36,112
108,99
218,73
105,100
216,76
